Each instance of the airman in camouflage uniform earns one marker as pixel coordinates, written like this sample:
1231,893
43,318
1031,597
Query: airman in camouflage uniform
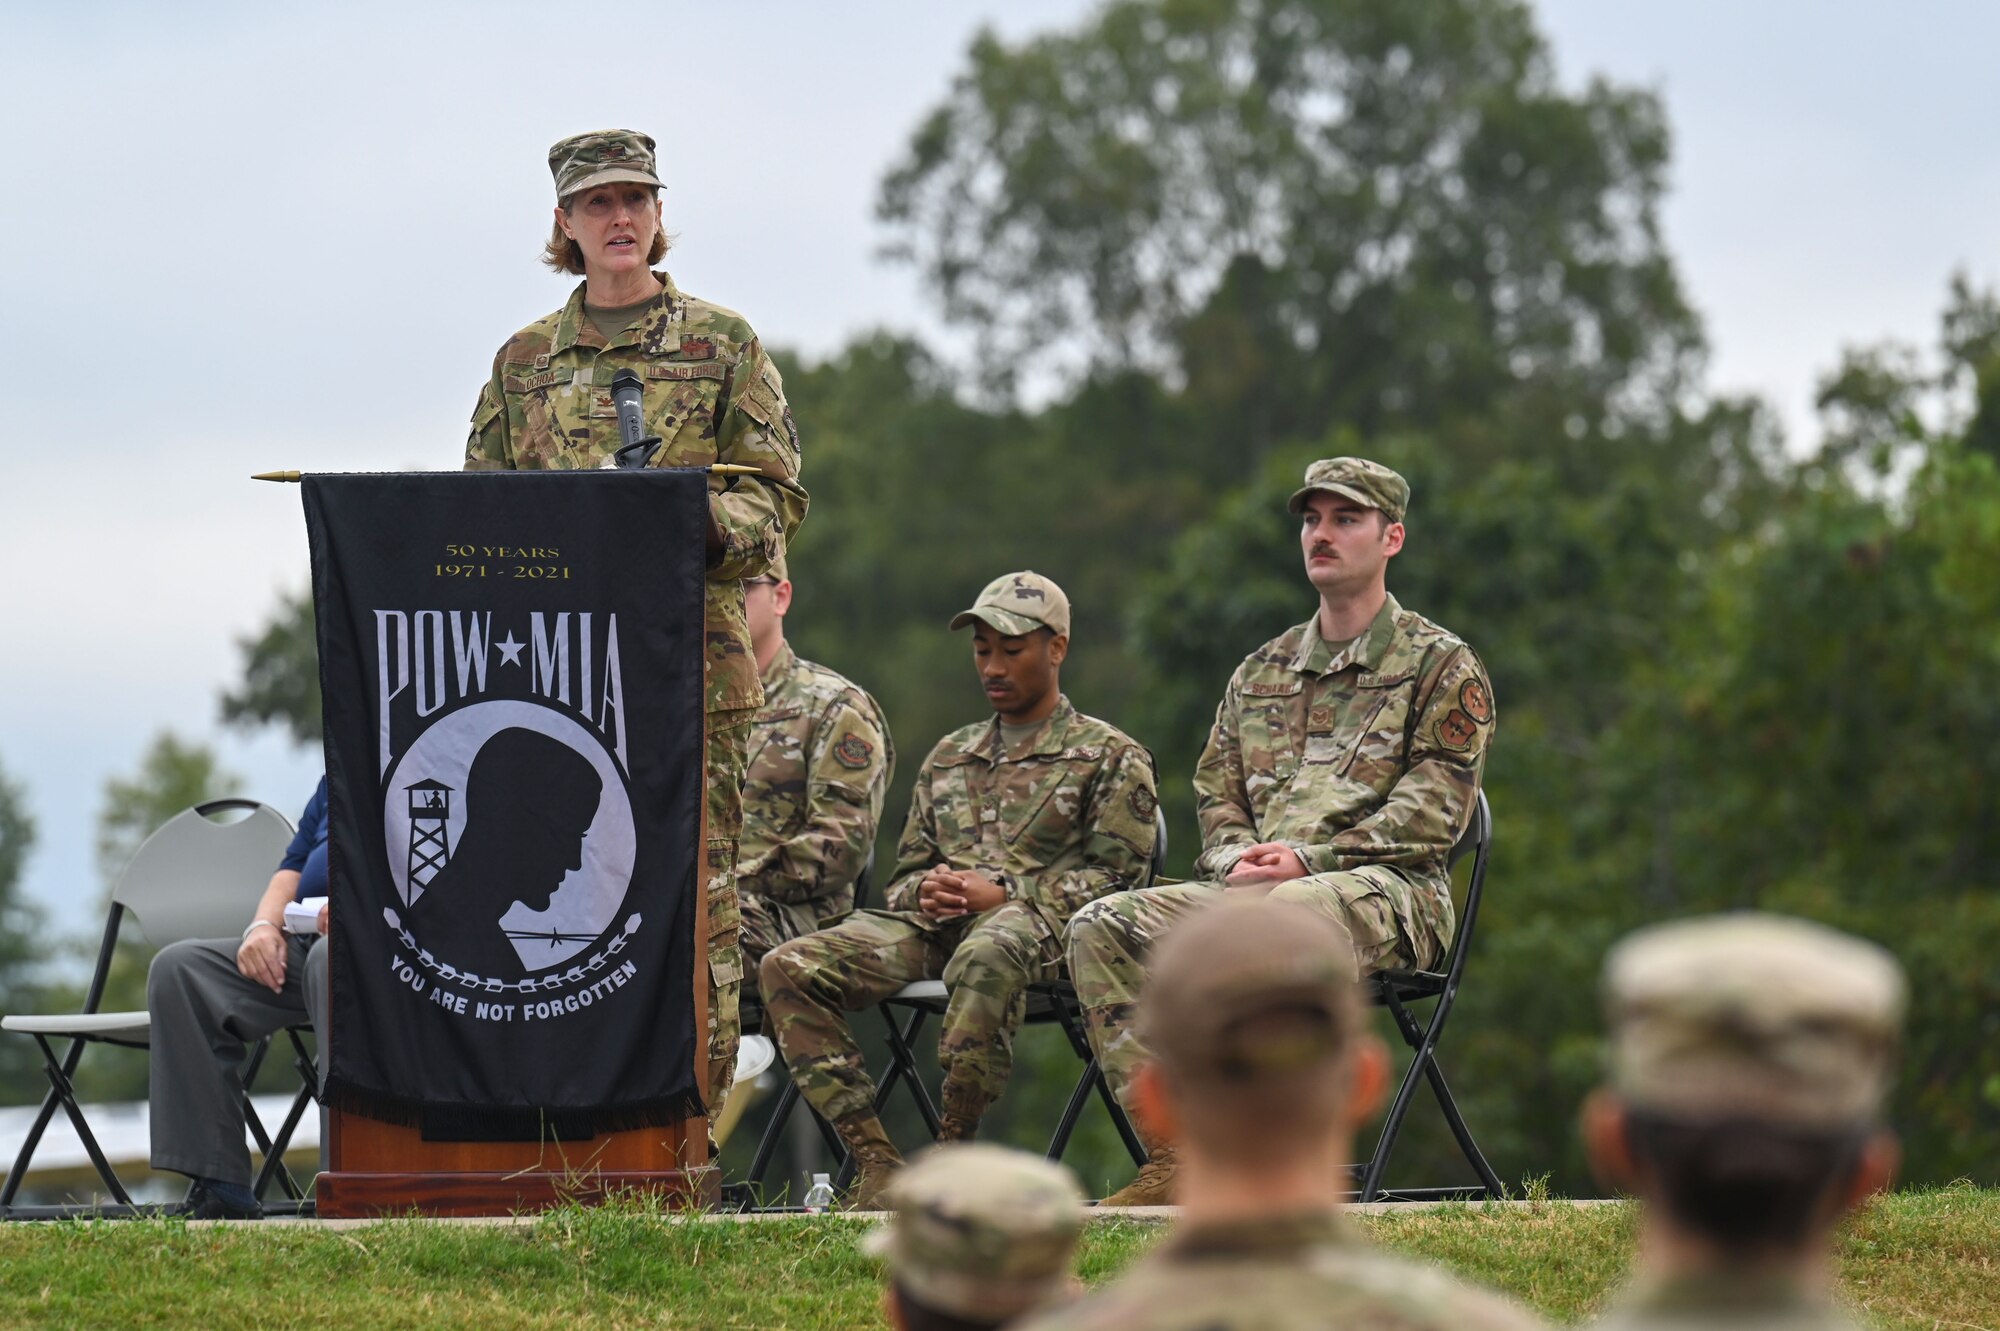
1264,1071
713,395
981,1235
1749,1058
1338,775
1038,826
820,765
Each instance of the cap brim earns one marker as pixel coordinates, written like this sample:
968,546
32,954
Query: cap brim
1296,504
1002,621
878,1241
611,176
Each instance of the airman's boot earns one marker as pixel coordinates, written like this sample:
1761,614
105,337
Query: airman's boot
876,1160
1154,1185
953,1127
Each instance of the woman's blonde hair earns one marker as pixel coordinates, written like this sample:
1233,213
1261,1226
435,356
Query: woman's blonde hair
566,256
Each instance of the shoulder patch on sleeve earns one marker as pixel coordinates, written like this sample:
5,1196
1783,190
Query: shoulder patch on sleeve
1143,803
1476,702
853,752
1456,731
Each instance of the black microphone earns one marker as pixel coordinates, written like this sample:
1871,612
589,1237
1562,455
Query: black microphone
636,447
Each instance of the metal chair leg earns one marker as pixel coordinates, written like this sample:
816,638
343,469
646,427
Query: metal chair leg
767,1145
66,1094
902,1067
1070,1016
781,1113
20,1170
1079,1096
1119,1119
15,1176
1456,1122
1399,1108
266,1149
274,1158
1423,1042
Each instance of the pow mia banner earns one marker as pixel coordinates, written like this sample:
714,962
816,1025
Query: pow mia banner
512,672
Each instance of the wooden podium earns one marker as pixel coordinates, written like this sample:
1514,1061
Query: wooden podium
376,1168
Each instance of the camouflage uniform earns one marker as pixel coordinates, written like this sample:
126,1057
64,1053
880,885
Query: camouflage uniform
820,765
1719,1301
712,395
1065,821
1365,762
1283,1273
981,1233
1748,1018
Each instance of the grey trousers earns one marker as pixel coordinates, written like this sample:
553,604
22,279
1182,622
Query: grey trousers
205,1015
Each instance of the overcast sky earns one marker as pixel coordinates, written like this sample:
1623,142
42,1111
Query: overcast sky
246,237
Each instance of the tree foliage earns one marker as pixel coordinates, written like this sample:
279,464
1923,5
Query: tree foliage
1369,211
173,774
280,684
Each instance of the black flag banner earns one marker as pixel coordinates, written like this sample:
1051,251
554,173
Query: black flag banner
512,672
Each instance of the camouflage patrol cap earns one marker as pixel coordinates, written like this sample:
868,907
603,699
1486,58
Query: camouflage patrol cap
1219,979
1756,1015
602,157
779,570
1017,604
981,1232
1363,481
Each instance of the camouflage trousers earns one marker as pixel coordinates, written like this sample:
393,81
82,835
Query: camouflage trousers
986,961
767,923
1110,938
727,757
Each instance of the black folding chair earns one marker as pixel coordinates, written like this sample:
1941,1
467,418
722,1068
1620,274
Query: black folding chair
192,878
744,1193
1052,1002
1395,989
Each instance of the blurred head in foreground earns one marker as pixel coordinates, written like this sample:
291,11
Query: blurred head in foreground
982,1235
1749,1059
1262,1071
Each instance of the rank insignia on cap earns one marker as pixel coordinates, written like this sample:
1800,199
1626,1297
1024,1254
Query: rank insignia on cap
1478,704
1455,732
853,752
697,348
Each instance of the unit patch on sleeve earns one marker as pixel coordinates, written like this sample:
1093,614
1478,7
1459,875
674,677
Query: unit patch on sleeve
1456,731
853,752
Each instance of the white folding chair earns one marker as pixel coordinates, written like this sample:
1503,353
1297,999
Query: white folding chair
194,877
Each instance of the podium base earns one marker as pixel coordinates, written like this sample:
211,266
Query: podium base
357,1196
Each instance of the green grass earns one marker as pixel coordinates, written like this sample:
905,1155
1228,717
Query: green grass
1915,1260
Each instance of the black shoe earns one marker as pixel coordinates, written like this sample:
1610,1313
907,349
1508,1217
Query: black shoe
204,1203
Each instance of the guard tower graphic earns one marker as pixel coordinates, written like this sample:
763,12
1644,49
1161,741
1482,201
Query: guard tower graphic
430,843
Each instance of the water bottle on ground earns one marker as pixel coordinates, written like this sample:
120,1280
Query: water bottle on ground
819,1197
